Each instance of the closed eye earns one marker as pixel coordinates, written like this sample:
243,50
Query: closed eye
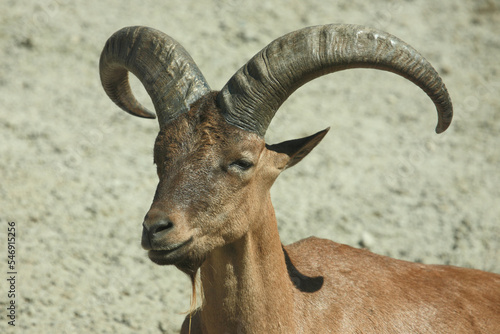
242,164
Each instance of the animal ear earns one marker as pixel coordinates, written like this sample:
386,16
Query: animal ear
297,149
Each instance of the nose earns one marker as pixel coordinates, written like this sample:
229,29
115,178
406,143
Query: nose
154,231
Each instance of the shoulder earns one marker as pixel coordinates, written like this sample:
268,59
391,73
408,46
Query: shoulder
316,256
314,248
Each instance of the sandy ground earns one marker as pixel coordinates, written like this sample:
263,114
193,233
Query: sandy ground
77,175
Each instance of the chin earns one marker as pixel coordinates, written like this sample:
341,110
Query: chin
190,266
188,262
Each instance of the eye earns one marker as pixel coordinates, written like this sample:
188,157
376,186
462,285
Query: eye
241,164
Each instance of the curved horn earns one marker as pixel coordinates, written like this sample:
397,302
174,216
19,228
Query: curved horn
255,92
169,74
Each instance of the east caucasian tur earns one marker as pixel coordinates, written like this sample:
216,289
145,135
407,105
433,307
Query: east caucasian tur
212,209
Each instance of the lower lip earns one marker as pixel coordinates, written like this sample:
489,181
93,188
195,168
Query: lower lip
163,256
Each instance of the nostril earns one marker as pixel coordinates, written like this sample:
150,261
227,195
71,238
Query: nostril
155,230
161,226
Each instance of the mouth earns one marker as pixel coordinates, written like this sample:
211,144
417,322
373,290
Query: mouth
171,254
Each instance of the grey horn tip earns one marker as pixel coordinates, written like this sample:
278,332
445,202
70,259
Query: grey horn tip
445,118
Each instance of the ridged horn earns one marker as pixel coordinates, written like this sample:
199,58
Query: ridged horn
167,71
255,92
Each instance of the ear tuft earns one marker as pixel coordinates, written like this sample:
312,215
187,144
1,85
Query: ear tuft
297,149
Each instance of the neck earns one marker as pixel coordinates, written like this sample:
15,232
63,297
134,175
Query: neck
246,284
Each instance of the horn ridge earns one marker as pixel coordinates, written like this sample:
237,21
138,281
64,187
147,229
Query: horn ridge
252,96
167,71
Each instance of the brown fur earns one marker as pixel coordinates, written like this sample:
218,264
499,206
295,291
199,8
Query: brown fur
212,212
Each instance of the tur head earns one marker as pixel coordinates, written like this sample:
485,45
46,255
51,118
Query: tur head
215,169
